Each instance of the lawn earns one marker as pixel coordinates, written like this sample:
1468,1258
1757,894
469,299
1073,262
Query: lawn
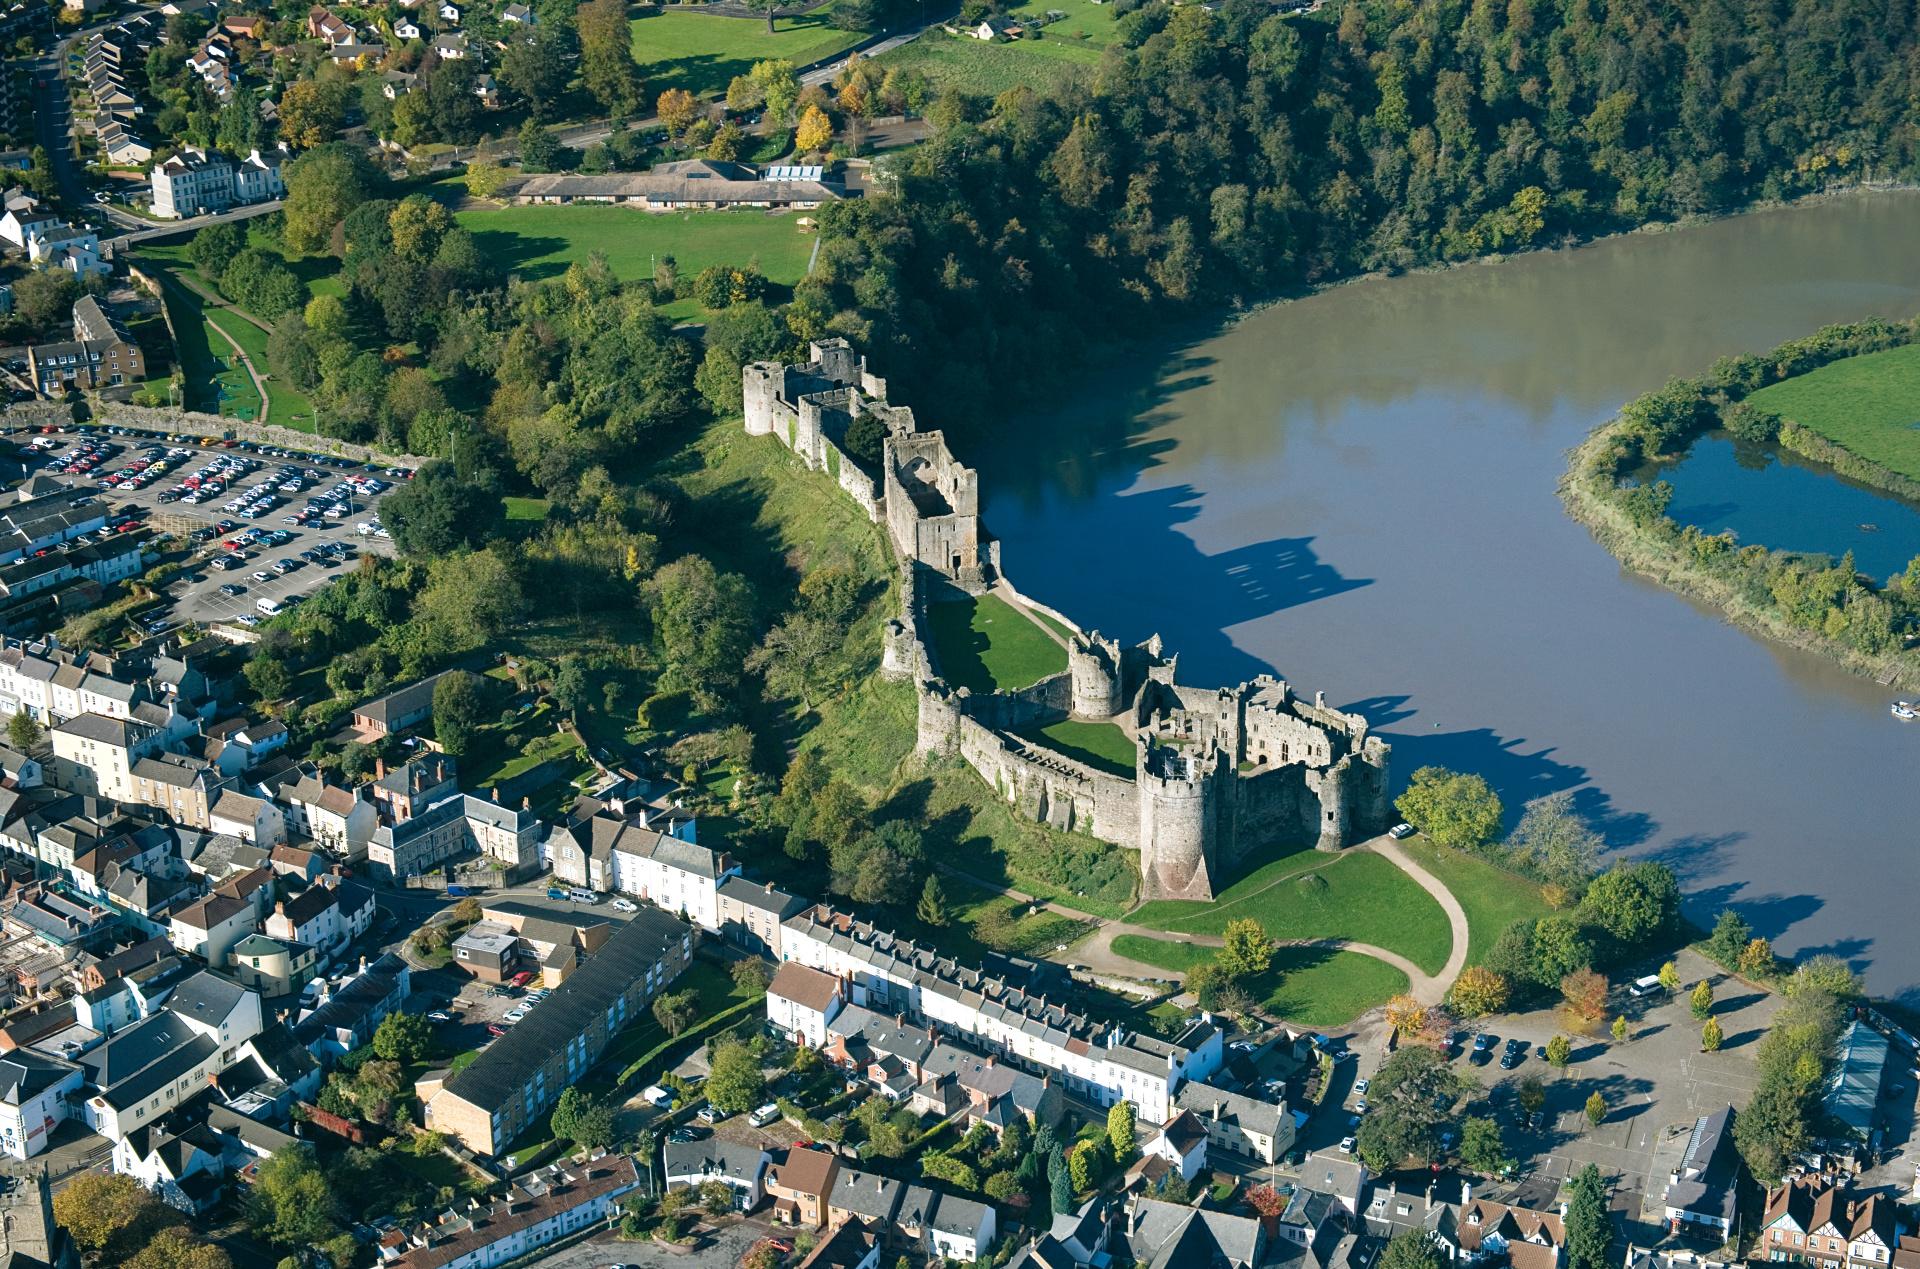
1868,404
1492,897
987,644
540,242
1311,986
1102,746
987,70
216,382
702,52
1308,895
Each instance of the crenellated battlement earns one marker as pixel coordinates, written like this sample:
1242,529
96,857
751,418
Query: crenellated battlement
1219,773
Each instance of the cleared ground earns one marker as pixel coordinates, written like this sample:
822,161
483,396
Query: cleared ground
540,242
1870,404
702,52
1309,895
986,644
987,70
1311,986
1102,746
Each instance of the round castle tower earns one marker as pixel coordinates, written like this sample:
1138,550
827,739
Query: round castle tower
1176,824
760,385
1094,664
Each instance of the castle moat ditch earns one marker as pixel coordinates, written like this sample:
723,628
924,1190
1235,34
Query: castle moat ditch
1357,491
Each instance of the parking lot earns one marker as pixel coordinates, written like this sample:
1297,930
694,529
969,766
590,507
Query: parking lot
221,495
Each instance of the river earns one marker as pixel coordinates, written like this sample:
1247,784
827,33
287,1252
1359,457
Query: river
1357,491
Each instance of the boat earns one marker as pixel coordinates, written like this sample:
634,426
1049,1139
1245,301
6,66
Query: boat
1906,710
1869,528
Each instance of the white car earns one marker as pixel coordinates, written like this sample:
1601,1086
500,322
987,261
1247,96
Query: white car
1346,1145
1361,1086
513,1016
625,905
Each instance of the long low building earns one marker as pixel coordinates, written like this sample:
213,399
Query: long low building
1100,1061
692,183
518,1077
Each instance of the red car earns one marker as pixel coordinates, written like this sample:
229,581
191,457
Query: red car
522,978
496,1029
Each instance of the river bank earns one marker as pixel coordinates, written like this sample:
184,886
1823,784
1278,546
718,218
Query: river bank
1798,598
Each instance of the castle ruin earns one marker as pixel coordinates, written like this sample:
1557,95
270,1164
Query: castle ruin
1218,772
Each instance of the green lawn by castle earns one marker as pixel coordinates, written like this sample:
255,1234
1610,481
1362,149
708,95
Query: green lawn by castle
1869,404
987,70
1308,895
702,52
1492,897
216,381
1102,746
540,242
987,644
1311,986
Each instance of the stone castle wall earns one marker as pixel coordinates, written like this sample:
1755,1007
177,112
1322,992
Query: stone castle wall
1218,773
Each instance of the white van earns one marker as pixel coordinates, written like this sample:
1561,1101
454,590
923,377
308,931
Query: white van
1643,987
764,1116
271,607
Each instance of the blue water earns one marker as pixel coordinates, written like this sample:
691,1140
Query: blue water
1782,501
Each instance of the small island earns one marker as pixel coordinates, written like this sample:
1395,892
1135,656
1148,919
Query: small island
1846,398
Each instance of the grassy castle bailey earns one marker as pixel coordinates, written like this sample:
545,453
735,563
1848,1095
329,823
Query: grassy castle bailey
1216,772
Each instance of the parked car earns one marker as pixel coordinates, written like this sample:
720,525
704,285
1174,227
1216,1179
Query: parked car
439,1015
1400,832
625,905
764,1115
710,1114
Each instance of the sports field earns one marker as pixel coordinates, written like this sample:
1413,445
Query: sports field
702,52
540,242
1868,404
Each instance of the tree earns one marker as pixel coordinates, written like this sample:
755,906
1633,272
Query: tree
1454,809
815,131
437,512
932,908
1059,1184
106,1212
1121,1130
1406,1015
736,1082
751,975
1246,949
1559,1051
177,1248
1620,1029
268,676
1412,1249
1634,902
704,622
1701,1000
540,150
1596,1109
1670,977
45,297
323,185
1478,992
1825,974
22,732
1412,1094
677,109
484,180
1554,844
1532,1095
214,247
1730,936
1758,961
606,55
1588,1230
1584,999
1080,1167
673,1011
312,111
292,1203
1482,1147
1268,1202
536,63
1002,1186
581,1119
1711,1036
403,1037
457,709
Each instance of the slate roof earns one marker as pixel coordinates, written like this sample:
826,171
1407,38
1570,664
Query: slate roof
714,1157
1249,1114
146,1057
207,997
501,1070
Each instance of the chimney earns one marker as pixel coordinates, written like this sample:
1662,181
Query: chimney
1216,1110
494,793
1466,1192
379,768
526,804
280,908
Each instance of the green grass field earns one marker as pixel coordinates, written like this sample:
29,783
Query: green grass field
1869,404
216,381
702,52
987,70
1102,746
1311,986
540,242
1492,897
1309,895
987,644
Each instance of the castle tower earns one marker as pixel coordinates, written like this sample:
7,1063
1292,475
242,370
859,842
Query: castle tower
1334,827
836,360
760,386
1176,823
1095,667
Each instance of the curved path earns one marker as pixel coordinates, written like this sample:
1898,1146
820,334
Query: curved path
1097,953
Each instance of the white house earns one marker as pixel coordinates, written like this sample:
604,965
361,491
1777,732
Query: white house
340,820
743,1167
35,1095
94,755
802,1001
449,13
325,916
961,1229
519,13
253,820
209,928
542,1207
406,29
135,1077
1182,1142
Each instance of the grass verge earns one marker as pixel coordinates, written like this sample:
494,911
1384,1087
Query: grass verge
1311,986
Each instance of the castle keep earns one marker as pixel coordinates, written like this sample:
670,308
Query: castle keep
1218,772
